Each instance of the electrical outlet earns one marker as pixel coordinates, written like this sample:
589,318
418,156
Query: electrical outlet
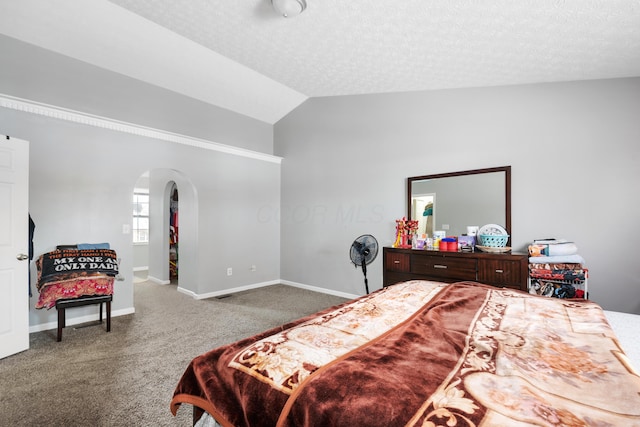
445,226
253,268
229,271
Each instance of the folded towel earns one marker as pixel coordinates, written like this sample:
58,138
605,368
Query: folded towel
553,249
93,246
550,240
577,259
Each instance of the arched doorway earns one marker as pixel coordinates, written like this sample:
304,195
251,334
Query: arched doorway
163,185
174,236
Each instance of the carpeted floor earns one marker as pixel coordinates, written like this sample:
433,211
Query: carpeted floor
126,377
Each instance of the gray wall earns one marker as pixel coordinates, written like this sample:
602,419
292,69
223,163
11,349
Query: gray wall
82,177
140,256
81,181
37,74
573,148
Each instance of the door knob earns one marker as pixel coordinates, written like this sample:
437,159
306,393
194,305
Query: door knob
22,257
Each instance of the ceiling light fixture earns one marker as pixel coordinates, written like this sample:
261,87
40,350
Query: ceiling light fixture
289,8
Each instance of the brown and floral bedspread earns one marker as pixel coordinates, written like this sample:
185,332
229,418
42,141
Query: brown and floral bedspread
51,292
73,273
424,354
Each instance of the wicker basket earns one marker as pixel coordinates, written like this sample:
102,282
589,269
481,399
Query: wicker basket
494,240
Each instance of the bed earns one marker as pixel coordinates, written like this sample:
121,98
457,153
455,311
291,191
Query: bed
423,353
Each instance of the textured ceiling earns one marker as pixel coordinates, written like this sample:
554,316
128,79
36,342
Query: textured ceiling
338,47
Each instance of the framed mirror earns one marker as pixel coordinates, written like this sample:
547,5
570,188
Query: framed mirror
453,201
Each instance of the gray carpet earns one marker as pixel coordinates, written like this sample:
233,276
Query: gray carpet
126,377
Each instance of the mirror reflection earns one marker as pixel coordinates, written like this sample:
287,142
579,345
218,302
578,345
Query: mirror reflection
451,202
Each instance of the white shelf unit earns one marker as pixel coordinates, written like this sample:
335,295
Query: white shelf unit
554,287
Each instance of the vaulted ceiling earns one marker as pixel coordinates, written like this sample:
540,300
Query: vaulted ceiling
242,56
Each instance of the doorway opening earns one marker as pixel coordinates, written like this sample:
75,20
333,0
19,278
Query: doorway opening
170,256
173,234
423,208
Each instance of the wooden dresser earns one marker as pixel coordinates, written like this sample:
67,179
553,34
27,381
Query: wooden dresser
502,270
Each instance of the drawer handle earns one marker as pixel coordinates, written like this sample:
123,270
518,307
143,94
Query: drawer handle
500,271
396,262
439,266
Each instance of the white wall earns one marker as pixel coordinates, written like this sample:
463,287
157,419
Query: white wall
81,181
37,74
140,256
82,177
573,148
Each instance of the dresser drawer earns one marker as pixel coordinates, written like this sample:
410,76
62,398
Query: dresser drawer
497,269
499,272
444,267
397,262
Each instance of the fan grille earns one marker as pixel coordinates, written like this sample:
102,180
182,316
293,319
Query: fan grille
364,250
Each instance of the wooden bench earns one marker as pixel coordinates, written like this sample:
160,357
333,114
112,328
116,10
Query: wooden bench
63,304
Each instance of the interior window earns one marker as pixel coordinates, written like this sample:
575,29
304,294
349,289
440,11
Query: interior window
140,215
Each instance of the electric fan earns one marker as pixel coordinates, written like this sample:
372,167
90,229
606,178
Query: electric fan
363,251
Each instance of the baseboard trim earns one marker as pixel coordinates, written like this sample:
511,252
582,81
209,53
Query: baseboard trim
79,320
320,290
131,310
158,281
262,285
228,291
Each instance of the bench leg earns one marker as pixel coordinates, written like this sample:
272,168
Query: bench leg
61,321
108,315
100,312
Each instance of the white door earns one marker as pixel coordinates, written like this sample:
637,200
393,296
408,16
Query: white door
14,246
